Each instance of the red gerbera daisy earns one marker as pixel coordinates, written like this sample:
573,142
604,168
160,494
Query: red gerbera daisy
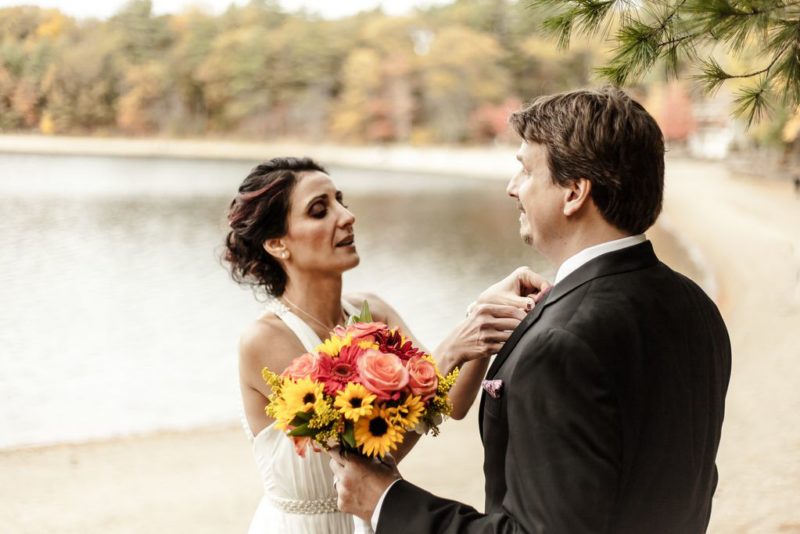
392,342
335,373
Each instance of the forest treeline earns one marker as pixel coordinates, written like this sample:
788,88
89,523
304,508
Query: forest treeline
447,74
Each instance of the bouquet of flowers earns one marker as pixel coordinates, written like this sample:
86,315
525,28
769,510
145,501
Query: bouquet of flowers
362,389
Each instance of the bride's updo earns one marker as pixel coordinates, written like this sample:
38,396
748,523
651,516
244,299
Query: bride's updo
258,213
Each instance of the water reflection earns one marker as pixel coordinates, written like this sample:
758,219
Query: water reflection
117,316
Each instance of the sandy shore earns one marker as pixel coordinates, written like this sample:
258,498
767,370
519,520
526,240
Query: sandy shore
746,233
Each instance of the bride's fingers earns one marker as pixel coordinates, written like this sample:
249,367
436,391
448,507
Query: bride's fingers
530,282
497,336
501,311
503,325
494,348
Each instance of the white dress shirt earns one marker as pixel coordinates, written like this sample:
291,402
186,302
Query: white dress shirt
569,266
572,263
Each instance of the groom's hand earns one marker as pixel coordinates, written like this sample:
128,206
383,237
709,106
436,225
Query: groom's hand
360,483
522,289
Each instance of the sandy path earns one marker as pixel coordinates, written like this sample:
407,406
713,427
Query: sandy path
204,481
749,233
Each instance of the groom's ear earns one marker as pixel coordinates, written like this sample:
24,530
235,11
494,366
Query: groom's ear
577,193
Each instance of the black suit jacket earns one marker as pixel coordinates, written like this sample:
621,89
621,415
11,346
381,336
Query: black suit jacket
610,413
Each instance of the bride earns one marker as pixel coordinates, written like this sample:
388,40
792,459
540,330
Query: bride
292,236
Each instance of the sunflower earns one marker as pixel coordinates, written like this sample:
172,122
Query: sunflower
408,413
376,434
300,395
333,345
354,401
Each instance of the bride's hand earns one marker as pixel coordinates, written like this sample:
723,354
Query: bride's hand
486,329
522,289
496,313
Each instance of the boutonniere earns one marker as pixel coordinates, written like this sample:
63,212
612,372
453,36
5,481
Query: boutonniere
493,387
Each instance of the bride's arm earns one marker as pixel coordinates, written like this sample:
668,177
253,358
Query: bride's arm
264,343
494,315
490,321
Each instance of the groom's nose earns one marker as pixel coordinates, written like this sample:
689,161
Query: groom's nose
512,188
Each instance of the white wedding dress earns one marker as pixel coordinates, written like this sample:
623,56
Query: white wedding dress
299,497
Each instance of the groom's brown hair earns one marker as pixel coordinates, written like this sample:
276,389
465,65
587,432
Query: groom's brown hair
608,138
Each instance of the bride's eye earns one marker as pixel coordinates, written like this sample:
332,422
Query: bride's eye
318,211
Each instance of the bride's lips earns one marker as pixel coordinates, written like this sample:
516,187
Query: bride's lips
346,242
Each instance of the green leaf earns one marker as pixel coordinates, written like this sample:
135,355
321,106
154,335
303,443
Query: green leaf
302,431
365,316
301,418
349,435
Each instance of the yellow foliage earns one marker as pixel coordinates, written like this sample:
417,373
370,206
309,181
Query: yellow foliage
791,128
46,124
53,26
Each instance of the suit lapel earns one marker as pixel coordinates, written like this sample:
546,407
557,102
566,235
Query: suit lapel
521,328
625,260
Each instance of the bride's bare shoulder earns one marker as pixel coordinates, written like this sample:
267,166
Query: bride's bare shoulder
267,342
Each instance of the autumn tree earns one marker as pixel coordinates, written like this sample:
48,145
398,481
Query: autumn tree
460,72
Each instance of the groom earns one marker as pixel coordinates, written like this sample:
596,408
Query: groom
603,411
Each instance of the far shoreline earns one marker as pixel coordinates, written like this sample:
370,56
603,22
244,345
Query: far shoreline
485,162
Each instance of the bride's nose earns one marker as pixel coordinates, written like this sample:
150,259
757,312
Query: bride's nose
347,218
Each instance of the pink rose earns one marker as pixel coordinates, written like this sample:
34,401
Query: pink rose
422,379
360,331
382,374
302,366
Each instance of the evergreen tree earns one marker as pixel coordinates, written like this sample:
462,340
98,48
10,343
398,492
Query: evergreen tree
689,32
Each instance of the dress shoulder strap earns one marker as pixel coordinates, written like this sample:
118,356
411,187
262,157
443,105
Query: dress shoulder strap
304,333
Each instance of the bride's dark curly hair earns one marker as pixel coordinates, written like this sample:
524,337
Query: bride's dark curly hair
259,212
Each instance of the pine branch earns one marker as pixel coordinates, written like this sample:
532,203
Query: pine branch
585,16
712,76
753,102
673,30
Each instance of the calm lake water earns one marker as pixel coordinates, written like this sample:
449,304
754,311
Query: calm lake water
117,317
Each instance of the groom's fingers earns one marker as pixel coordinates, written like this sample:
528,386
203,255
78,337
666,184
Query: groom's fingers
337,468
336,455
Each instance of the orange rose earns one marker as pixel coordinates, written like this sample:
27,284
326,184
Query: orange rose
383,374
422,379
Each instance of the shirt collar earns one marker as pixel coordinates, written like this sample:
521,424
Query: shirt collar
572,263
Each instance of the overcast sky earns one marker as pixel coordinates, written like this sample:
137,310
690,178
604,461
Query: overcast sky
326,8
